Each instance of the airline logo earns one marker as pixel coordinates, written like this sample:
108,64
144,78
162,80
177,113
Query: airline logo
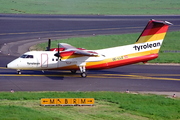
146,46
33,63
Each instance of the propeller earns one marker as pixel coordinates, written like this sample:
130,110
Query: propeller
58,53
49,45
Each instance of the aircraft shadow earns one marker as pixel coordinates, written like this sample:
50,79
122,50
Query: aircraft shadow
58,74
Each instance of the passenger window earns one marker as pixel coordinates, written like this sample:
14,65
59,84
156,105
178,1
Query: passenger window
53,59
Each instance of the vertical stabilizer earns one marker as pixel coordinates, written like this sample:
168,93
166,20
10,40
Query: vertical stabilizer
155,30
153,35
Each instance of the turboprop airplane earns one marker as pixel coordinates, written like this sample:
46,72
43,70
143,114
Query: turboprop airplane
67,57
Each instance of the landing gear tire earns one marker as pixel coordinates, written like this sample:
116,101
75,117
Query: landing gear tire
19,72
83,75
73,71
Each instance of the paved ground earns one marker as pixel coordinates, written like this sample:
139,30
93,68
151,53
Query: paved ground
19,32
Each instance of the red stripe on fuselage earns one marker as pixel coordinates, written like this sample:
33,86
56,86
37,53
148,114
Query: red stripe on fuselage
123,62
113,64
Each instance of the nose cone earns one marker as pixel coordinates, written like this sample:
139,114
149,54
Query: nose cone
13,64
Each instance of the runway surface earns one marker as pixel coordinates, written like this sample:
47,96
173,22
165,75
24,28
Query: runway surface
19,32
132,77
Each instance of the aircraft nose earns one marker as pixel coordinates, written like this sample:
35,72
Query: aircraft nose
7,66
12,65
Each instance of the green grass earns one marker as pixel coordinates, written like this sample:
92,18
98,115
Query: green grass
113,7
171,42
95,42
15,112
108,105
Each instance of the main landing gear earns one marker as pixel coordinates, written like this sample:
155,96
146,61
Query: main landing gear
84,74
83,71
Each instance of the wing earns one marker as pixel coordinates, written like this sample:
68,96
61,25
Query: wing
77,51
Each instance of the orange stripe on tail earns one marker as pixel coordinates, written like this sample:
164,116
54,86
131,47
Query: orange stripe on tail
155,30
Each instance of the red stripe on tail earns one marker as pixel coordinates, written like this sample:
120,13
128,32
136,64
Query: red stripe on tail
155,28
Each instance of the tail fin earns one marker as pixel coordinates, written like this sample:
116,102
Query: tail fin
153,35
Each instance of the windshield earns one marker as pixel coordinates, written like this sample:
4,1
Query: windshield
27,56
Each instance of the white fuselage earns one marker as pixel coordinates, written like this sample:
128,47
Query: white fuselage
42,60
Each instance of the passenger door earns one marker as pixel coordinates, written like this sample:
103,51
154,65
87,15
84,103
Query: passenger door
44,60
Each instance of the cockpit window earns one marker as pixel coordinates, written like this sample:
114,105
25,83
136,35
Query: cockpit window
27,56
23,56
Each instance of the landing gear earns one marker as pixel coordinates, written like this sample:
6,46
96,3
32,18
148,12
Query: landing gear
83,71
84,74
18,72
73,71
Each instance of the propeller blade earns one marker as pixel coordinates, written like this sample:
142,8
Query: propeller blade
58,48
49,45
58,53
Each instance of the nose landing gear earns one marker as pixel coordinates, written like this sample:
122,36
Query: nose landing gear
18,72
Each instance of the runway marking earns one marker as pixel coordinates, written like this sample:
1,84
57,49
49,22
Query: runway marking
144,77
150,74
28,75
67,31
3,68
70,30
126,76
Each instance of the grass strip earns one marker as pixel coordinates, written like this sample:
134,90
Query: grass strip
170,43
108,105
105,7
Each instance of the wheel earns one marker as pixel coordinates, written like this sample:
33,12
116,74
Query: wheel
83,75
73,71
19,72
